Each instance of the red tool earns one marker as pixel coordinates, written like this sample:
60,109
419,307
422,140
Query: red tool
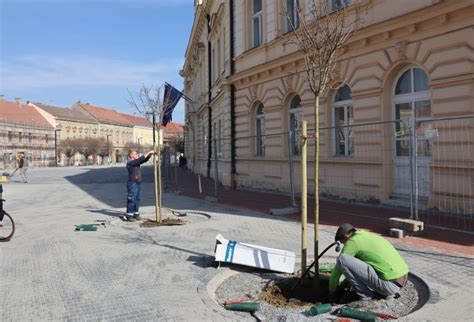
386,316
236,301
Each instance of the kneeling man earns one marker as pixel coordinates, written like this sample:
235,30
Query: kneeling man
370,264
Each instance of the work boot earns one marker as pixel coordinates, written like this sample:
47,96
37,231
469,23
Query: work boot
137,216
130,218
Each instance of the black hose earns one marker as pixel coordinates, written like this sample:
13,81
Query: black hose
312,264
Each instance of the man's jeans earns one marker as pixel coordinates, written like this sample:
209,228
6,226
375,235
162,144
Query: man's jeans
363,278
133,197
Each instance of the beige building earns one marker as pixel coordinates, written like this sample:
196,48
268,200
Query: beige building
411,60
142,130
113,126
208,116
24,130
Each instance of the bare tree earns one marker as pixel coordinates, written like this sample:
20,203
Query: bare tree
69,147
321,34
148,103
89,147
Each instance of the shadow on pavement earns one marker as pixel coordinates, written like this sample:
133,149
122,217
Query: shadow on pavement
108,185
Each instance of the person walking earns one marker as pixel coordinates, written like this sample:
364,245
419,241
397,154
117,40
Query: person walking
370,264
133,183
21,166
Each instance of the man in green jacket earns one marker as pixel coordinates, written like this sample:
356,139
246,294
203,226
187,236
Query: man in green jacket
370,264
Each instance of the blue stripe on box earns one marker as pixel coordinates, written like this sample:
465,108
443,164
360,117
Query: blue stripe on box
229,252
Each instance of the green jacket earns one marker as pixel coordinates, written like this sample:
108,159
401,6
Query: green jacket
375,251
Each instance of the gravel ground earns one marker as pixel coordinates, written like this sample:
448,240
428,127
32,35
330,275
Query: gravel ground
249,285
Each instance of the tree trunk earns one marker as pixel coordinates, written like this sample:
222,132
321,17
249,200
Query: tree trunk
316,185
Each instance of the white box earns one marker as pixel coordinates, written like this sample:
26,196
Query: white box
235,252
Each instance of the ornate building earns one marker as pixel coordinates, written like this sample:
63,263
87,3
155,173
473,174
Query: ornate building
407,70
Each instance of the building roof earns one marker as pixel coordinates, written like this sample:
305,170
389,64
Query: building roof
105,115
173,129
23,114
66,113
137,120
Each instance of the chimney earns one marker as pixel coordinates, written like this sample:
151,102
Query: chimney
18,101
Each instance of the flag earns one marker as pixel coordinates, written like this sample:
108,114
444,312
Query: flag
171,98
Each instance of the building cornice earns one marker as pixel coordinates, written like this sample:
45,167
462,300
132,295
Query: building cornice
367,39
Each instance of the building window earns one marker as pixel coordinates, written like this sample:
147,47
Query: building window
20,136
47,138
295,117
412,100
338,4
259,130
292,18
257,24
343,120
29,137
10,136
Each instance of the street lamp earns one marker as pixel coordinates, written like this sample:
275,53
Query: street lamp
56,146
108,148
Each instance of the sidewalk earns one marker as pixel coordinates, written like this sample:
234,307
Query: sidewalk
332,213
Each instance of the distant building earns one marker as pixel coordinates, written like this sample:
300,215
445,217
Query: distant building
172,132
142,130
113,126
24,129
68,124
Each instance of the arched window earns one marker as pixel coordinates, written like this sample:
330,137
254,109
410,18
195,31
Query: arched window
295,117
343,119
412,103
259,130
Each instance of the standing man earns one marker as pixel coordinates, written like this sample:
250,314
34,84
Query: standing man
133,184
370,264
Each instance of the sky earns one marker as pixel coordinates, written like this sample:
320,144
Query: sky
59,52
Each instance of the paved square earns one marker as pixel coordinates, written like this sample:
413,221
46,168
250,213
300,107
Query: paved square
122,272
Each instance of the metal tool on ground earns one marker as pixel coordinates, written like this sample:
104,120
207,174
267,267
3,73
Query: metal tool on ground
386,316
338,248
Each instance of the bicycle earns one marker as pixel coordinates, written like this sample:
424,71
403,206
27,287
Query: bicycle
7,225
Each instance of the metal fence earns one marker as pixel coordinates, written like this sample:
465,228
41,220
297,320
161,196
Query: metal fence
424,167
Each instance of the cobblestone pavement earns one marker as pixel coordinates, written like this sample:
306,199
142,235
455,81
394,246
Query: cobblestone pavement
123,272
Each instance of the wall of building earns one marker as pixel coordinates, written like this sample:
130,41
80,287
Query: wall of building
434,36
36,142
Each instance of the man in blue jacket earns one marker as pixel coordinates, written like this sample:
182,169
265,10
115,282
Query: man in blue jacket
133,184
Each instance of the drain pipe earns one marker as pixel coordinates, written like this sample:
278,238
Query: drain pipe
209,97
233,168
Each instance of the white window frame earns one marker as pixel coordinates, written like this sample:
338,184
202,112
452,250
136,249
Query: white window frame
342,4
295,140
346,105
294,15
410,98
259,17
259,137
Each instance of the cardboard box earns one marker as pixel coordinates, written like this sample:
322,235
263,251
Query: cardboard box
230,251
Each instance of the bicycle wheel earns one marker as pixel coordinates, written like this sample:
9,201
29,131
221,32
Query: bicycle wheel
7,227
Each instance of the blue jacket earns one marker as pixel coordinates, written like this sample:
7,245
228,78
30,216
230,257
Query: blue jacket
133,167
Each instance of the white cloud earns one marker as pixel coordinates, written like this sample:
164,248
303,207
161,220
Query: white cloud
33,72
